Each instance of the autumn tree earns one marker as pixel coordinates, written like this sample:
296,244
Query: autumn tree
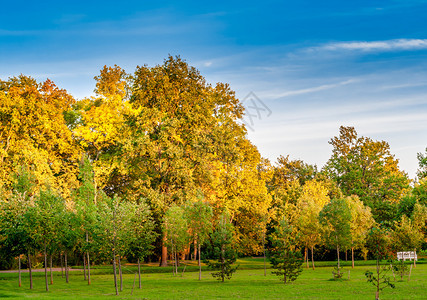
172,109
99,127
33,131
312,200
361,222
406,236
366,168
419,219
288,178
184,137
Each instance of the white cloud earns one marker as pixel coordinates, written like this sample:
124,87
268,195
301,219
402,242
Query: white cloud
376,46
308,90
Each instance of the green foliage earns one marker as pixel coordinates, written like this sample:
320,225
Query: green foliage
401,268
366,168
378,242
338,272
175,227
222,249
16,217
142,235
420,191
406,206
284,256
336,220
422,163
336,217
380,279
199,215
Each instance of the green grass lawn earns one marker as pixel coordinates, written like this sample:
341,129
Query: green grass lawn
248,283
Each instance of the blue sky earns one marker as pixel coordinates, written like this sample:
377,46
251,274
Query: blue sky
316,65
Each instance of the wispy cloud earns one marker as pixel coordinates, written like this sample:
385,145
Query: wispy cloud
376,46
309,90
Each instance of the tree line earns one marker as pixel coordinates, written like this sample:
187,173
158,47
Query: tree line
158,165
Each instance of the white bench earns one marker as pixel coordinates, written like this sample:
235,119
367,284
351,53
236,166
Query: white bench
411,255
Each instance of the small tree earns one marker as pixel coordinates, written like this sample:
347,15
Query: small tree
223,250
175,227
15,232
85,199
114,228
336,217
401,268
285,257
378,242
48,207
142,235
68,235
16,219
199,216
361,222
406,236
313,198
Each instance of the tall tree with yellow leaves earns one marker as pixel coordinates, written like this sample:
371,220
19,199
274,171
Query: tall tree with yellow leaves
33,131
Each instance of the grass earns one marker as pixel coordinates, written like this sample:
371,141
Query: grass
248,283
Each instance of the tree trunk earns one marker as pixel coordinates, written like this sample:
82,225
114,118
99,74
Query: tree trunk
115,272
200,264
84,267
414,258
338,257
66,266
30,270
312,256
164,260
88,259
223,262
176,262
346,255
263,252
195,250
120,274
352,257
45,268
377,294
306,257
62,270
19,270
51,274
139,273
